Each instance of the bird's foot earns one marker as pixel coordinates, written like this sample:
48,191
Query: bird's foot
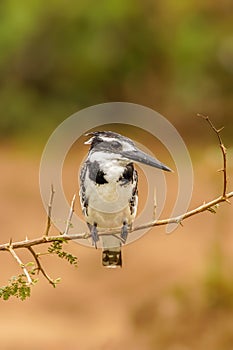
94,234
124,232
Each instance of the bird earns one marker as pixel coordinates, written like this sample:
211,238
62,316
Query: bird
109,190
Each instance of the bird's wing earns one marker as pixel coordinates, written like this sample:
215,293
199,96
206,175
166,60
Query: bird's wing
134,198
82,191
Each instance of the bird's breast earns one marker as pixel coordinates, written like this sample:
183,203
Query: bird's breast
111,196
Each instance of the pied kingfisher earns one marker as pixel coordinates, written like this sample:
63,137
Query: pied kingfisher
108,190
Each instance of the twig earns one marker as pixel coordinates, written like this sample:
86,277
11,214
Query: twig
25,271
68,223
39,266
178,219
49,211
154,204
223,150
45,239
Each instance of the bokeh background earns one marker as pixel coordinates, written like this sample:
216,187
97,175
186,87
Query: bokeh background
175,292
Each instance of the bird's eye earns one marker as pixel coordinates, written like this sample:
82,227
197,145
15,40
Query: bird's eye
115,144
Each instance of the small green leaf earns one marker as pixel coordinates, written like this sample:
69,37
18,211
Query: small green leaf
57,248
18,287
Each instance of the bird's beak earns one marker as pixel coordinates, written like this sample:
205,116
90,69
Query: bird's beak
142,157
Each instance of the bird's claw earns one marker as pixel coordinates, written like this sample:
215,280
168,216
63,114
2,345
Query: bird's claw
94,234
124,232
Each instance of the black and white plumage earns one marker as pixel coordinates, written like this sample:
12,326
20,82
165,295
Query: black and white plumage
108,189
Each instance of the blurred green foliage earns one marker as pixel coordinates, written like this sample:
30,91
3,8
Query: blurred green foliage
60,56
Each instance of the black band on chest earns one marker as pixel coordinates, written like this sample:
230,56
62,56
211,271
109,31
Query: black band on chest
95,174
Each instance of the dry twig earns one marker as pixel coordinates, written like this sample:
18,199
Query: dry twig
68,223
22,266
39,266
223,150
49,211
154,205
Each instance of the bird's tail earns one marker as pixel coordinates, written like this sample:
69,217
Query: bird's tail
111,257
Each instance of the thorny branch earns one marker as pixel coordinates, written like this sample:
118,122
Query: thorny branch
25,271
39,266
223,150
65,237
68,223
49,211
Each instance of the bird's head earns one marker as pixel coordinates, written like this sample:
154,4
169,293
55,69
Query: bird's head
108,144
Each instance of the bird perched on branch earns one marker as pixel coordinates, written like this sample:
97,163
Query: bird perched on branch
108,190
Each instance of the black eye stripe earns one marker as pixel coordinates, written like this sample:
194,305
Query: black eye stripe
116,145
